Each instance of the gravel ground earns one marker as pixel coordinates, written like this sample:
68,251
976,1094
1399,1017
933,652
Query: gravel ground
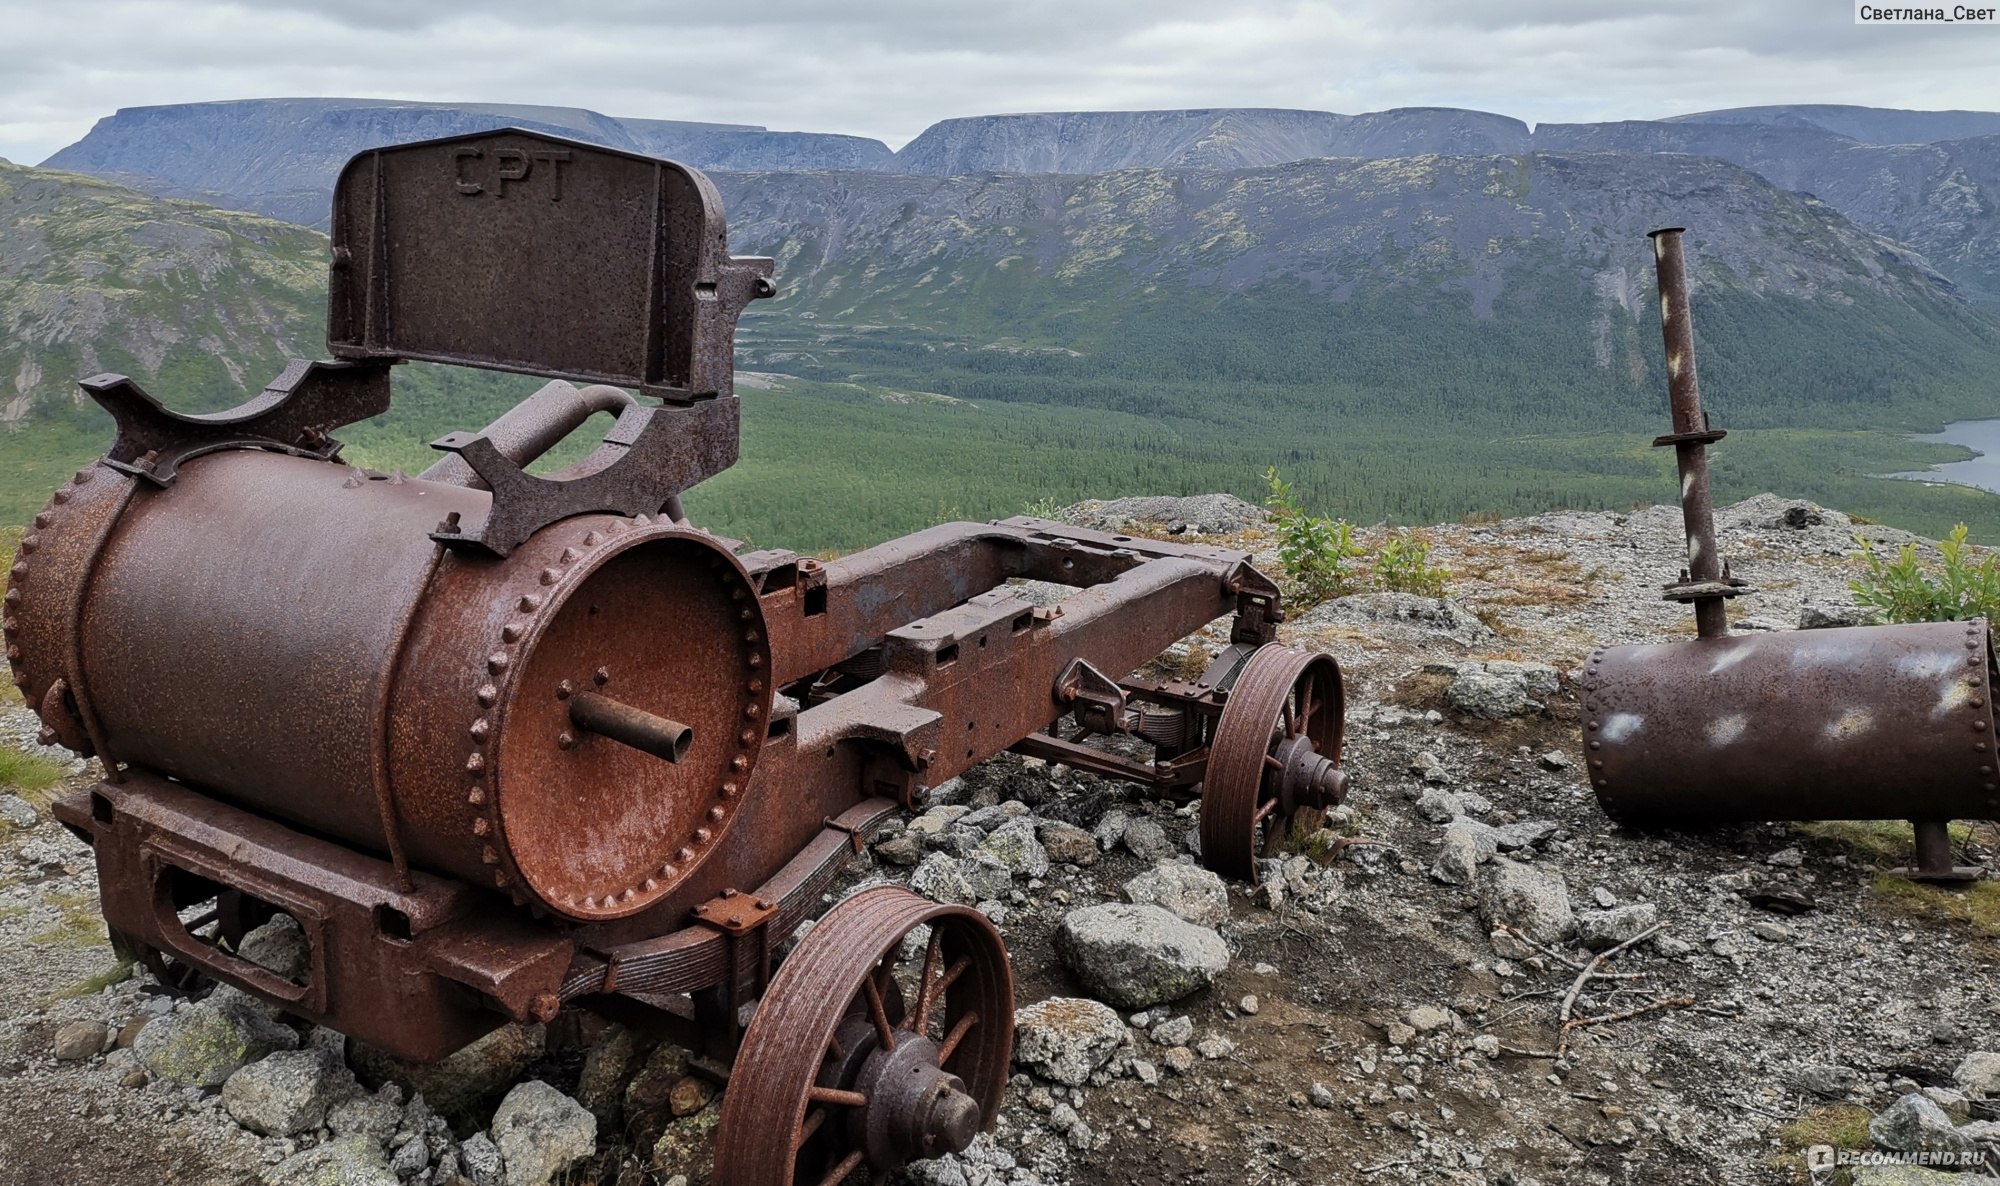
1392,1038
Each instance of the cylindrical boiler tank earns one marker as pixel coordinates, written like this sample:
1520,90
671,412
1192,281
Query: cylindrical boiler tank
1873,722
285,634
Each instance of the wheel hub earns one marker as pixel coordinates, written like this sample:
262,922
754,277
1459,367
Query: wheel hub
916,1109
1305,777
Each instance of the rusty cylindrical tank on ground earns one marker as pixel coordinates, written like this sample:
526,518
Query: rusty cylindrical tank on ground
1872,722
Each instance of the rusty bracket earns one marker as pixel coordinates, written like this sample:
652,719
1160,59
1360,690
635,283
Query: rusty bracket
60,723
1259,605
666,451
292,415
744,920
1098,699
734,912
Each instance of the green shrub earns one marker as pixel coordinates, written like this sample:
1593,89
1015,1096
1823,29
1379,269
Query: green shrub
1907,590
1404,566
1317,553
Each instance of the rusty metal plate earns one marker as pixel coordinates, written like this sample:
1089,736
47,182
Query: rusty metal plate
516,251
1872,722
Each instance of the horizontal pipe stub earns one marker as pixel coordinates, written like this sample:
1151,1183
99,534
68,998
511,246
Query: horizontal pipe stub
665,739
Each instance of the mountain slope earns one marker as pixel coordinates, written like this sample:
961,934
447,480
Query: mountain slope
204,303
1870,125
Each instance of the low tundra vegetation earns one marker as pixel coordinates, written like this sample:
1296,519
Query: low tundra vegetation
1323,557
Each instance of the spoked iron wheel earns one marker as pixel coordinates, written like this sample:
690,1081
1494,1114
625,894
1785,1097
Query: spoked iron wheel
1276,749
859,1058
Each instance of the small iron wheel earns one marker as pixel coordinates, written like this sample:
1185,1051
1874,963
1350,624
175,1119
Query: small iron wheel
1276,749
860,1058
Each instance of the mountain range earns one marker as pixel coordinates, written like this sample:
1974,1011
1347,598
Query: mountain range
1420,312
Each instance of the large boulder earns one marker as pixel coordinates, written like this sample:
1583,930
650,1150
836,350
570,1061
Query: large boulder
1067,1038
1190,891
458,1084
203,1044
1500,688
540,1132
1600,930
1916,1124
1978,1073
686,1148
1139,956
1200,514
1014,846
1529,899
289,1092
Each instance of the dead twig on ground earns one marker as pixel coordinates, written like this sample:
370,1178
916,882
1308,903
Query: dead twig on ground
1580,1022
1588,970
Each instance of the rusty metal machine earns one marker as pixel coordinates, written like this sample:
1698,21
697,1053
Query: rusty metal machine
506,744
1866,722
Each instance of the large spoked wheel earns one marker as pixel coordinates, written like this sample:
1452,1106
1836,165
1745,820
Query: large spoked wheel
859,1057
1276,749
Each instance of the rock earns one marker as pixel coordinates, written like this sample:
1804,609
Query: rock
1670,947
1138,956
962,881
1215,1046
79,1040
1786,858
1319,1096
1399,1034
1501,688
1780,898
1771,932
18,812
287,1093
1510,947
1834,615
1407,618
1532,900
1190,891
281,946
1179,1060
1109,831
1467,845
1202,514
1555,759
1978,1074
1915,1124
1250,1005
686,1148
201,1045
1175,1031
904,848
410,1158
1826,1080
1066,844
481,1158
540,1132
649,1094
372,1116
1146,840
459,1083
1064,1039
1487,1045
1601,930
938,819
1014,845
689,1095
1954,1103
343,1161
1426,1018
1439,806
1524,834
612,1059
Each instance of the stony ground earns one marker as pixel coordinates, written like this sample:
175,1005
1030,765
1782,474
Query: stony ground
1385,1007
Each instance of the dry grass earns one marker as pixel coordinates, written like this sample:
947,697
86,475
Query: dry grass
1977,905
1879,842
79,924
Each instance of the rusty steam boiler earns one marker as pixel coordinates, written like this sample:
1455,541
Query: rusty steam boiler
1867,722
506,744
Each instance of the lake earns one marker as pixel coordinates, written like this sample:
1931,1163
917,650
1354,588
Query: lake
1982,436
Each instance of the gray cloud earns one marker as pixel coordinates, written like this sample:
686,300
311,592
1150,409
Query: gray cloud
889,69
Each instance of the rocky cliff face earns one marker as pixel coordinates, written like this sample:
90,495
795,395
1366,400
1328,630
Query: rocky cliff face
97,277
279,156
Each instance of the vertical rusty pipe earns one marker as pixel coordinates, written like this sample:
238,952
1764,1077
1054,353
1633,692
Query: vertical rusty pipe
1690,436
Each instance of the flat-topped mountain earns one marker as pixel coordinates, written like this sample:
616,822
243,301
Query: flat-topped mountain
279,156
1871,125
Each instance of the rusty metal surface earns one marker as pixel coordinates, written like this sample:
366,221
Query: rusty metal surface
1276,749
534,426
516,251
1871,722
847,1064
1705,582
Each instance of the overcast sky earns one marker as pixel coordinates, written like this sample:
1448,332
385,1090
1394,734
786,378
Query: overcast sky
888,69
